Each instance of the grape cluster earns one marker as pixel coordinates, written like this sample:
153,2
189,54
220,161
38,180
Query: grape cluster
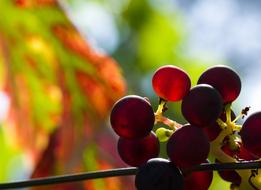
211,130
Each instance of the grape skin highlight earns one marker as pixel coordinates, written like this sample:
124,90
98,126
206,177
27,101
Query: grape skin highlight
224,79
171,83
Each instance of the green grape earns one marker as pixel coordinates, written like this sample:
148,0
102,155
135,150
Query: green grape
163,134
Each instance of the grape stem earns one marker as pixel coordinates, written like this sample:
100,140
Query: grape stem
170,123
242,114
162,107
253,174
229,127
123,172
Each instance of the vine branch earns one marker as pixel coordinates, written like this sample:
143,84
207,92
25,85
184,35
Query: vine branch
70,178
123,172
224,166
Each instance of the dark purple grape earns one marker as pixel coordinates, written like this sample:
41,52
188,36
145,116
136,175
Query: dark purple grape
251,133
224,79
188,146
171,83
132,117
135,152
159,174
213,130
198,180
202,105
230,176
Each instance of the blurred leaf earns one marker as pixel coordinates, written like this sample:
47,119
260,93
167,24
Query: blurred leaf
61,89
137,13
8,155
160,37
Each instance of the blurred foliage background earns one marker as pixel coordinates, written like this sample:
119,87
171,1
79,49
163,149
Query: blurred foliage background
64,63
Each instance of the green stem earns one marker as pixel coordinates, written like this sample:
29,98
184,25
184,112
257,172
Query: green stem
159,118
228,129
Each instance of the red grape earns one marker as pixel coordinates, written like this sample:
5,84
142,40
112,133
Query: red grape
251,133
171,83
202,105
198,180
159,174
224,79
188,146
241,152
244,154
135,152
132,117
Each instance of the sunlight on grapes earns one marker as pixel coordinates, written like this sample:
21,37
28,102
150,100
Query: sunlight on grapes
64,63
